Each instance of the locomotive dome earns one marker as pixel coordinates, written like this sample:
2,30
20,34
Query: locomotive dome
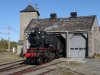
35,29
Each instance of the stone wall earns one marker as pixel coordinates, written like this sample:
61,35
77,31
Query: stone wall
25,18
96,36
97,42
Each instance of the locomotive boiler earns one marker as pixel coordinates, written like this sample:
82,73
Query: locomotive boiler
43,47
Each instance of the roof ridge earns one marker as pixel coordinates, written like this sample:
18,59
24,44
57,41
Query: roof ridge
64,17
30,8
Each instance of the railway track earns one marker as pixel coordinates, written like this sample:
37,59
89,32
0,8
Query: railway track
33,69
12,67
11,63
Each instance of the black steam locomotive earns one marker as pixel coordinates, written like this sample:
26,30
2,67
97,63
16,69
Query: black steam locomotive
43,47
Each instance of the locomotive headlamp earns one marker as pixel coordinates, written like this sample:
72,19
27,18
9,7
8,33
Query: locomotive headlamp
39,32
50,45
26,37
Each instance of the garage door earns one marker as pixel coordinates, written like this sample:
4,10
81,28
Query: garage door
77,46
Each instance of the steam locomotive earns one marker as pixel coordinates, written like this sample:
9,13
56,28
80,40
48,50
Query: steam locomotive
43,47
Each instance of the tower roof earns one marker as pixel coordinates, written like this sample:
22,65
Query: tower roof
30,8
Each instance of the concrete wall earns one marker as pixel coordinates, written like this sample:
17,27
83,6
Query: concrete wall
90,44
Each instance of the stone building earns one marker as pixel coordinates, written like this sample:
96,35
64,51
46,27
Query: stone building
26,15
81,34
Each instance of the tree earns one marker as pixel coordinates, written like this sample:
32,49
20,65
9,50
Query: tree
4,44
13,44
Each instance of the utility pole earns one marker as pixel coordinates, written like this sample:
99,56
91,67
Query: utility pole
9,39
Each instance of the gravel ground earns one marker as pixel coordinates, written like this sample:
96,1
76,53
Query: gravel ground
6,57
77,67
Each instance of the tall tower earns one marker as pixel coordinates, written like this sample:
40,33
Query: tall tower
26,16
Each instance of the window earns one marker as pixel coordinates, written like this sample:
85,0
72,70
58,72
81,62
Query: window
72,48
80,48
76,48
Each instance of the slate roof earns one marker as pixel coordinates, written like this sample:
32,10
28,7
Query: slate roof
30,8
84,23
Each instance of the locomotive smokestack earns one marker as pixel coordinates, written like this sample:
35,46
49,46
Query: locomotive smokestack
53,16
36,30
73,14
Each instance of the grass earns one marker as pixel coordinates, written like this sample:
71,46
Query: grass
8,57
96,56
2,50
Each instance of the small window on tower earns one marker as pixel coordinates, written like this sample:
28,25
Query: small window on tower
29,18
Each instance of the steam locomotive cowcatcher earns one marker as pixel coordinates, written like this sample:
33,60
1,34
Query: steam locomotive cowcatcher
43,47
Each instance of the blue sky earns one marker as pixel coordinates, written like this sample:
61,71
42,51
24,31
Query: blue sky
10,12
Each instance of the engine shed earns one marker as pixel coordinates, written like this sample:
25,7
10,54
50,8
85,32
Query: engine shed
79,34
75,43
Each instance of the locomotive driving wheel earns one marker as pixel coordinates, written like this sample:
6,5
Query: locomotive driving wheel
57,55
39,60
27,61
52,56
